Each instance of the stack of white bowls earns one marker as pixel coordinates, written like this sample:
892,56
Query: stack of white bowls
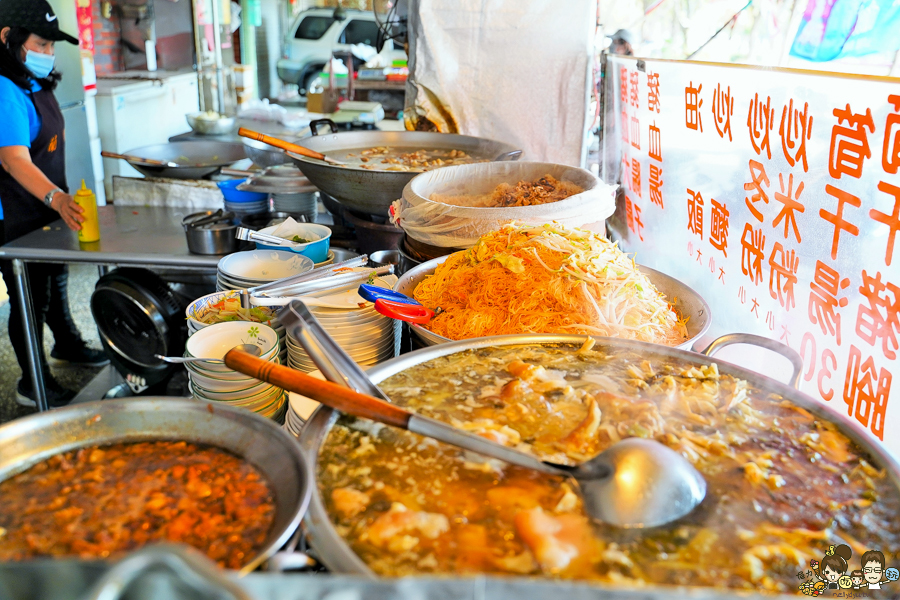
299,409
297,204
366,336
216,382
200,307
243,270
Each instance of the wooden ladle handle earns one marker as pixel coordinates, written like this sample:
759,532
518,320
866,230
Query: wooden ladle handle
328,393
266,139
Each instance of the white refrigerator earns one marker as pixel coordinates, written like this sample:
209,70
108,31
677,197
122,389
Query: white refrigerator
83,159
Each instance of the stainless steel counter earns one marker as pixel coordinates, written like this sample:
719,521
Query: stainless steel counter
129,236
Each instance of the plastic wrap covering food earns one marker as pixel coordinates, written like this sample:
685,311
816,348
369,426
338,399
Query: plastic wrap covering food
452,226
511,70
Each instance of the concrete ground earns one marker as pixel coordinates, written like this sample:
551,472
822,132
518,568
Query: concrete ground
82,279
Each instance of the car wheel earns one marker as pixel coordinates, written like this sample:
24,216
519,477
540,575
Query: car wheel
308,79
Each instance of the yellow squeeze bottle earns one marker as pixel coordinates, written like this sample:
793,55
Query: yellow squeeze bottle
90,229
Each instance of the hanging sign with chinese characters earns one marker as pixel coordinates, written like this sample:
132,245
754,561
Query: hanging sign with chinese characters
776,195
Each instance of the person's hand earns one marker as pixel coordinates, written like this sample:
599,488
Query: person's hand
70,212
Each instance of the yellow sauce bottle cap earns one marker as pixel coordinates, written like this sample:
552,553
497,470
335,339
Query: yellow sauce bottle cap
84,191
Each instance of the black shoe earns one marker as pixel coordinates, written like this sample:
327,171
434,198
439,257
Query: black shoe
57,395
78,354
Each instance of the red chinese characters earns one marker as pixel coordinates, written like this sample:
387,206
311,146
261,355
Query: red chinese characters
635,96
850,143
881,318
758,180
722,109
890,155
636,177
753,246
783,275
654,184
623,85
718,227
760,120
790,201
636,132
655,150
692,105
653,91
824,301
891,220
866,392
633,217
695,213
837,218
795,130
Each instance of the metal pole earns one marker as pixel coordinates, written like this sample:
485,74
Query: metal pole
32,340
217,52
198,49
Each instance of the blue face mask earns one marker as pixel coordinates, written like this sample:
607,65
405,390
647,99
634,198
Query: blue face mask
39,64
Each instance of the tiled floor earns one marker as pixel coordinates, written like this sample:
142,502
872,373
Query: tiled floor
81,284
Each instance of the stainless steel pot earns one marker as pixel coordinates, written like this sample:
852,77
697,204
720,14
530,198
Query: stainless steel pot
687,302
215,238
372,192
259,441
195,159
338,556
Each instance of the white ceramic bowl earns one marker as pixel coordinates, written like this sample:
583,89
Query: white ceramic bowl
197,309
264,265
216,340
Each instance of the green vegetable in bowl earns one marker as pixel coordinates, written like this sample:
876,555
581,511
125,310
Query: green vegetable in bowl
299,240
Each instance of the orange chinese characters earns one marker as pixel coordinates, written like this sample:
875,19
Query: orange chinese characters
759,179
623,85
635,133
791,204
881,318
653,91
891,220
633,218
849,144
655,150
636,177
760,120
718,226
635,98
722,109
695,213
837,218
655,185
692,105
890,155
753,245
824,301
795,130
866,392
783,275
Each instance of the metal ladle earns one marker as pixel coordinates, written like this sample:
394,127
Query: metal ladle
635,483
251,349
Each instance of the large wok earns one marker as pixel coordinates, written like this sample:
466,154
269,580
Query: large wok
687,303
337,554
259,441
195,160
372,192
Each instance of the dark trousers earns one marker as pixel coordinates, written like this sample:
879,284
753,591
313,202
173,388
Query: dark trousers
50,300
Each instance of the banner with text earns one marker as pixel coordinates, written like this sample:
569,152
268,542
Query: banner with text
776,195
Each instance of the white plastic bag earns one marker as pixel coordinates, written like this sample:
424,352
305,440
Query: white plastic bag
450,226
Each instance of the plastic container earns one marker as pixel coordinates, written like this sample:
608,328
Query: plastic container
231,193
90,229
317,250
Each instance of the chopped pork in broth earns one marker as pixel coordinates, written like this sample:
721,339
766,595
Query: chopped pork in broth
386,158
784,485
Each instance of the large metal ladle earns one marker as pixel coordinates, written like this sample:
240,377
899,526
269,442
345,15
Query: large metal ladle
635,483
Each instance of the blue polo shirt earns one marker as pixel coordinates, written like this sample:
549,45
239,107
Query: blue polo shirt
22,123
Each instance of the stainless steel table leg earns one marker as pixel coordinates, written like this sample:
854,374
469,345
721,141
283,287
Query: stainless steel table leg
32,343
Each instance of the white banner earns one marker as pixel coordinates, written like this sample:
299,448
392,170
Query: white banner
776,195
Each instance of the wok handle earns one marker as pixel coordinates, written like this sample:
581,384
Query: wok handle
314,125
137,159
266,139
331,394
763,342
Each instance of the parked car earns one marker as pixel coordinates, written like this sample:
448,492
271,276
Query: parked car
314,34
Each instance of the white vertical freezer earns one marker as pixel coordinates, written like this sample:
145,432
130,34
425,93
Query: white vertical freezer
141,112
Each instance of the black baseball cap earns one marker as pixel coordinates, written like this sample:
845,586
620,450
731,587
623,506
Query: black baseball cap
36,16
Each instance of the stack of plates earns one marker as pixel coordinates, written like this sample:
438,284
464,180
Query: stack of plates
197,309
247,208
243,270
297,204
367,336
300,408
216,382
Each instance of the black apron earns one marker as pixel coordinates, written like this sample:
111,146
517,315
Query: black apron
22,212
